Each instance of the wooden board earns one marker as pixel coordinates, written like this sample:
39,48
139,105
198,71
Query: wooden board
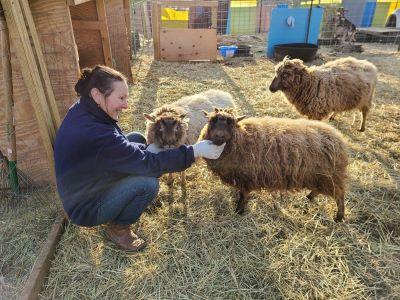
119,34
40,270
178,44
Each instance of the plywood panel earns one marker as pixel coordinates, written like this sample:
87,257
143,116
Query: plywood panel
188,44
89,48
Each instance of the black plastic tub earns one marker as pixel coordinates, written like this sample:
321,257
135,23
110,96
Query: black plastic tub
305,52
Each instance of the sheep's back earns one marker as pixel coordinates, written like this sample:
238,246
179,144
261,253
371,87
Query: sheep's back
344,84
281,154
194,106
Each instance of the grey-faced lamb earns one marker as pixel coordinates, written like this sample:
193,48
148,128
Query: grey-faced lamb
318,91
180,122
279,155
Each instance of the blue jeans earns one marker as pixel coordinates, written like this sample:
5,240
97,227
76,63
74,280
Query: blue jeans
125,202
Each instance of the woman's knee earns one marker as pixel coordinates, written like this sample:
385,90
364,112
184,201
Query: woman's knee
136,137
152,186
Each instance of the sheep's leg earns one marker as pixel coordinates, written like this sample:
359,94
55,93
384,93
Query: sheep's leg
312,195
170,179
354,118
183,180
332,117
364,112
339,197
242,202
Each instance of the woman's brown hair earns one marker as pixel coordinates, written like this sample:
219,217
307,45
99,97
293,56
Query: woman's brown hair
100,77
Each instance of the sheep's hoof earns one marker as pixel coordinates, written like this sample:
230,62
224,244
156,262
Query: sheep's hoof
311,196
339,218
240,210
361,129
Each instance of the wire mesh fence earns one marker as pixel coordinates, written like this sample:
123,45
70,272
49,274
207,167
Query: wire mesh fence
344,22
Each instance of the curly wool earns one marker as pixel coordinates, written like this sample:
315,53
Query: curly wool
340,85
283,154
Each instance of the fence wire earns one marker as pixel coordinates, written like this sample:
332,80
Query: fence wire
344,22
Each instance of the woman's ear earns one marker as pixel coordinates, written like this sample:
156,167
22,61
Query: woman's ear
96,95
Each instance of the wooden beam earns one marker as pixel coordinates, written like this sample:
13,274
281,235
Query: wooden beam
127,10
105,38
87,25
44,75
40,270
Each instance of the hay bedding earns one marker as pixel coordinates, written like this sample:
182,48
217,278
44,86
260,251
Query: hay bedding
284,246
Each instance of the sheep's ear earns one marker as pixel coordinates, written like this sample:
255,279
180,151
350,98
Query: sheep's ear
205,113
182,116
149,117
240,118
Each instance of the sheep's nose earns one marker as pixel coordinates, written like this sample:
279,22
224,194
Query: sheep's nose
219,134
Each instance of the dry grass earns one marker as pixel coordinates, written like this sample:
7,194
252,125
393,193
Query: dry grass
283,247
24,225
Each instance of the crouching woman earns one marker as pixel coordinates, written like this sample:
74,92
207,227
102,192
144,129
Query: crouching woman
104,176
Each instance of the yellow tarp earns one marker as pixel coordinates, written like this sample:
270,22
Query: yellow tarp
170,14
244,3
172,18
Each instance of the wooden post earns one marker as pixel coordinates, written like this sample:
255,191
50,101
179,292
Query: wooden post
105,38
156,22
44,76
9,105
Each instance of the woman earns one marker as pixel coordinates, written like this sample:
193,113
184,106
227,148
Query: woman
103,176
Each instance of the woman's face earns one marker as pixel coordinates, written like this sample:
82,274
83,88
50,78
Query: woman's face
115,102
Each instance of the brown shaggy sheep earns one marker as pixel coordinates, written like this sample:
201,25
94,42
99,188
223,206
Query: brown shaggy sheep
340,85
278,154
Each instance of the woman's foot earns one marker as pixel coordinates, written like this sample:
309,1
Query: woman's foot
124,237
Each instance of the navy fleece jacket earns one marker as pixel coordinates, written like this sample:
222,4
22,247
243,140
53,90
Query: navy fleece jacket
91,154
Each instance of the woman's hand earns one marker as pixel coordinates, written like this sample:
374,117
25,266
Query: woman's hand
208,149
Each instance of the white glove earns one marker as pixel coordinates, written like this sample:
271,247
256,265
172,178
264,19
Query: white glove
208,149
153,148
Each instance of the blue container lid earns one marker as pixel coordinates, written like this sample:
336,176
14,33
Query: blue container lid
233,47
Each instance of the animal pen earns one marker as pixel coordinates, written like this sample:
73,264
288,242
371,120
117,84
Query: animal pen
43,46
